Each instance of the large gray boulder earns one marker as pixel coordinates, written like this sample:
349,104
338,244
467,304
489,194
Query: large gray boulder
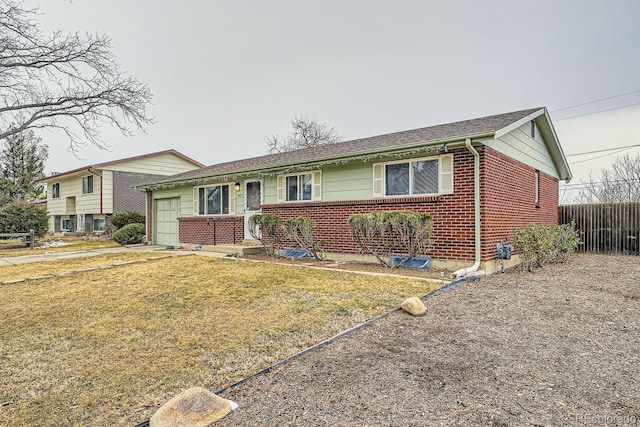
195,407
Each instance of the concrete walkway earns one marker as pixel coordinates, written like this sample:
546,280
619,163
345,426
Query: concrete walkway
54,256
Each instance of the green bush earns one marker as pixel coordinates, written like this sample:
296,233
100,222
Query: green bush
546,244
21,217
130,234
122,219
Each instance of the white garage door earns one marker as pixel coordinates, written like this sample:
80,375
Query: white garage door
166,221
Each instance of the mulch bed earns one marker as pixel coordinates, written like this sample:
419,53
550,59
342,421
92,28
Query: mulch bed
559,346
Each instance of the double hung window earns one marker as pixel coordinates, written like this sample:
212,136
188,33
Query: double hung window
87,184
214,200
55,190
415,177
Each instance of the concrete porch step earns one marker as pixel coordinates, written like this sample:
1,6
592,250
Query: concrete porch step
243,249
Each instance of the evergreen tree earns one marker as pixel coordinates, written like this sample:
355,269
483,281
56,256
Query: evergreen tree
22,159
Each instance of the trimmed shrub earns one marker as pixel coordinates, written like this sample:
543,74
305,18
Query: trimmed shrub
130,234
122,219
546,244
300,230
384,233
264,227
21,217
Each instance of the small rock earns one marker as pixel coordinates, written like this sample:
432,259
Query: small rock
414,305
195,407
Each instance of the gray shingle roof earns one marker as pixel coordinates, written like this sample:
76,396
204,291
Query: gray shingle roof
389,141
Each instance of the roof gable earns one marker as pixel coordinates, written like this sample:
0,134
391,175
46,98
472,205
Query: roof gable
106,165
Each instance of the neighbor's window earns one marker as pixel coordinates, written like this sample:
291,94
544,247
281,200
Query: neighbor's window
213,200
408,178
55,190
66,225
299,187
98,224
87,184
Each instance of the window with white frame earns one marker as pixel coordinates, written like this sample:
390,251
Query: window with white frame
98,224
55,190
87,184
425,176
300,187
214,200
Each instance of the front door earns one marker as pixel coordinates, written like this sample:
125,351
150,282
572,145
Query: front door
252,203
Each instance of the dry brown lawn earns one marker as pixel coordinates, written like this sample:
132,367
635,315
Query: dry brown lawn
61,267
108,347
74,244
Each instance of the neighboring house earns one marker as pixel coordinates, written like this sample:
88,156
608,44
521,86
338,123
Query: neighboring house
514,159
84,199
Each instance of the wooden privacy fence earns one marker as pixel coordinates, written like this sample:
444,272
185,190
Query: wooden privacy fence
605,227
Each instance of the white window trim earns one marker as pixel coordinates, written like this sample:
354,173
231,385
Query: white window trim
81,222
232,199
445,176
316,186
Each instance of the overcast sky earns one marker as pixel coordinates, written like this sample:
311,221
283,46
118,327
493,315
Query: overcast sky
226,74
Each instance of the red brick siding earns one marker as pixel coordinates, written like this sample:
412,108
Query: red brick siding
507,202
508,199
211,230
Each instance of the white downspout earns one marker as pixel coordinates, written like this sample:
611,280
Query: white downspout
476,197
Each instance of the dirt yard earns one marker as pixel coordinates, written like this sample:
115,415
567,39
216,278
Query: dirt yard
557,347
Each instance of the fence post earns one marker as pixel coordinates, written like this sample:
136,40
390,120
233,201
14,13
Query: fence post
32,238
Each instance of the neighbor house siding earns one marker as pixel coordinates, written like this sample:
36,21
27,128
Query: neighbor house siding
107,191
165,164
126,198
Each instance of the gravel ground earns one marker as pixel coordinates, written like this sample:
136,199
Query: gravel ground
557,347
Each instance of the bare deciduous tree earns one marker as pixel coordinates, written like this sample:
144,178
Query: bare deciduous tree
307,132
620,183
62,81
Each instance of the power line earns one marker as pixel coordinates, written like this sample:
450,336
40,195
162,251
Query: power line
597,112
602,151
599,157
597,100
